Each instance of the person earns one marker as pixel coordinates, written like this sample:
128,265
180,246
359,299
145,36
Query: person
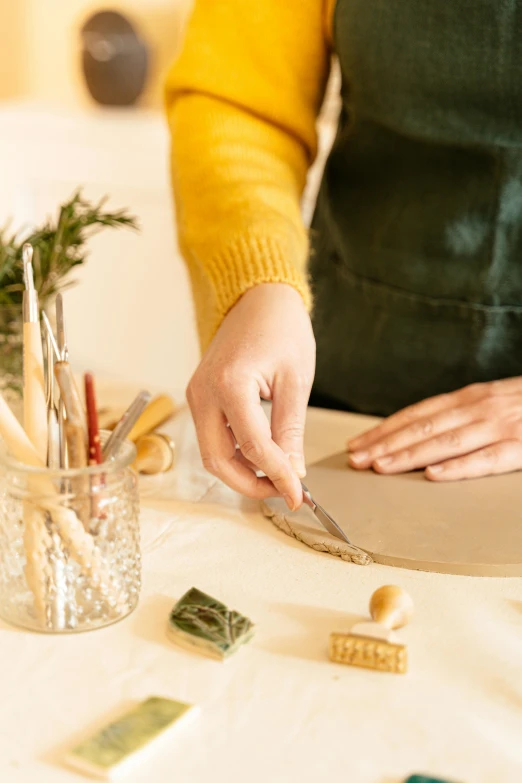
415,249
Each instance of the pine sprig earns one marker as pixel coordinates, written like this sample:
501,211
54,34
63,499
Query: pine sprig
58,247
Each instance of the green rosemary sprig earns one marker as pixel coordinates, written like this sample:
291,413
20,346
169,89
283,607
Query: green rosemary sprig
59,246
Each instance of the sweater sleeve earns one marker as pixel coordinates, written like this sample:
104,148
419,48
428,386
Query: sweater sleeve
242,101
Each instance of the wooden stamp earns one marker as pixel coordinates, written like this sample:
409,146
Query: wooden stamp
373,645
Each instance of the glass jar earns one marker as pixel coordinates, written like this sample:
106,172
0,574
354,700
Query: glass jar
69,544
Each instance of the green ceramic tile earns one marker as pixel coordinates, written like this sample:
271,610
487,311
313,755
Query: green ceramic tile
425,779
200,622
111,748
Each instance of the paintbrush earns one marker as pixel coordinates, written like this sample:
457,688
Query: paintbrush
35,407
374,645
95,451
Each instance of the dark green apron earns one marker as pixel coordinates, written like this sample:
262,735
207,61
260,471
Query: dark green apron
416,259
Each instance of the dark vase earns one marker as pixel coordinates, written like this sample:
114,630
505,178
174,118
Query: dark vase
115,59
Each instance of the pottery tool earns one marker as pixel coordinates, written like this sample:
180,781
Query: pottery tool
37,536
115,749
50,334
16,439
374,645
95,451
35,407
55,565
203,624
325,519
75,421
53,430
64,356
68,525
125,425
60,329
158,411
155,453
76,439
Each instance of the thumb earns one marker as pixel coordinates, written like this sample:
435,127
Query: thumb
289,401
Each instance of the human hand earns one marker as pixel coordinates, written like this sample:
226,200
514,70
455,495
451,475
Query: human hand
264,349
476,431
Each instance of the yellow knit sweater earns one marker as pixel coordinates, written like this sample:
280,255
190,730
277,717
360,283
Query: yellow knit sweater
242,102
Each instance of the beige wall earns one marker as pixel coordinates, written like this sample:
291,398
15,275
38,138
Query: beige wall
12,72
39,44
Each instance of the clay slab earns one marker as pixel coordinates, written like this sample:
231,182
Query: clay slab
469,527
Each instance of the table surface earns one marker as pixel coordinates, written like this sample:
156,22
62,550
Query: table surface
278,710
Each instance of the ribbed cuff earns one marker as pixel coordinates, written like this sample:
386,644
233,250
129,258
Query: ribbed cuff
250,260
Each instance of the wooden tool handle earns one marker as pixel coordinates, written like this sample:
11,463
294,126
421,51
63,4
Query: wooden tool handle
76,445
391,606
157,412
53,451
16,439
35,407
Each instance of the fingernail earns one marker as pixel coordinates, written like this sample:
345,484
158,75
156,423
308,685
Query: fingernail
435,468
382,462
358,457
298,463
289,502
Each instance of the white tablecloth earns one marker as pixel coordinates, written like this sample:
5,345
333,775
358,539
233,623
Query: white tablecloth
278,710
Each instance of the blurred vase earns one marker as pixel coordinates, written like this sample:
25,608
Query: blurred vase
114,58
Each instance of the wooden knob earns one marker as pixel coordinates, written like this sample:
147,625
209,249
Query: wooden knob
155,453
391,606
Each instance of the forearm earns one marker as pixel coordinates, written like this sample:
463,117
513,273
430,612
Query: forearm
241,114
238,216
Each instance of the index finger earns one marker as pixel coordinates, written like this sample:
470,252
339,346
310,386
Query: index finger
218,453
251,430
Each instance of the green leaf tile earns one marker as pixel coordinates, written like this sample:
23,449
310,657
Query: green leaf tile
202,622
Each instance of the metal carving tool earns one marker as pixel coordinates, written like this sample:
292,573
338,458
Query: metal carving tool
75,428
60,329
324,518
50,335
63,356
125,424
53,449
